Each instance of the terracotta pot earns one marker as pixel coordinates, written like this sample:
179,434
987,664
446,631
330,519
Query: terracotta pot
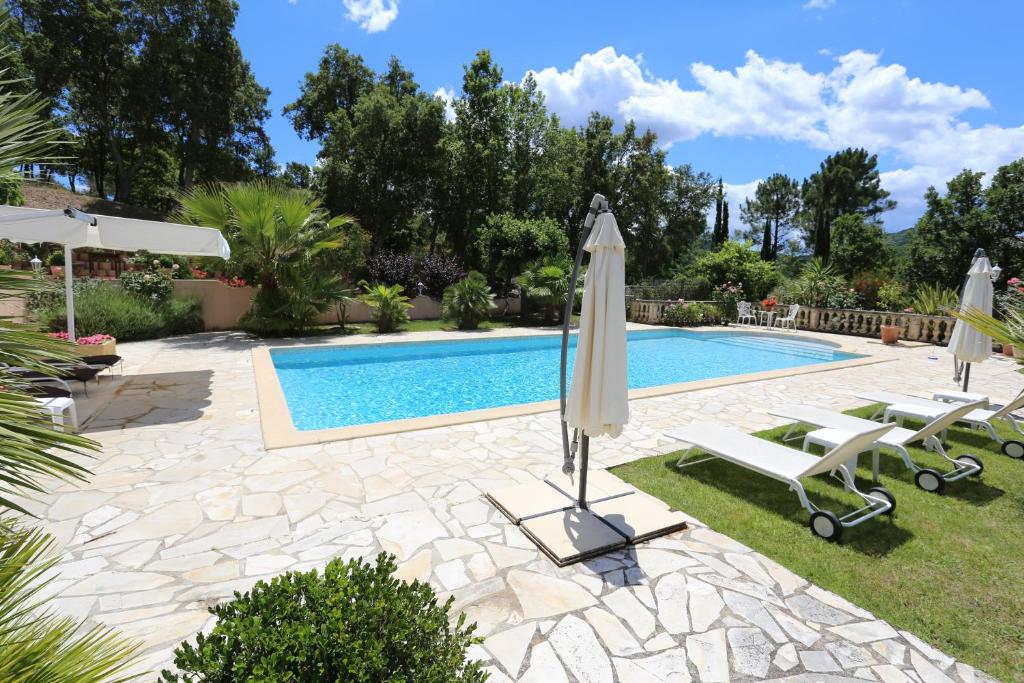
1018,352
56,270
1008,350
890,334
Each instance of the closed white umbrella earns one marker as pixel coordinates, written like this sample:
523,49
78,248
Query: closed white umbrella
967,344
75,229
597,403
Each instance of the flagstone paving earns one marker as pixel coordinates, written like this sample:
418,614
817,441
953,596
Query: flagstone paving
186,507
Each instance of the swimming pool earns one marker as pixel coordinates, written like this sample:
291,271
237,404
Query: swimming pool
340,386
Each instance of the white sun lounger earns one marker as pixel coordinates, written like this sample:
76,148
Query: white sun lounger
789,465
836,427
900,406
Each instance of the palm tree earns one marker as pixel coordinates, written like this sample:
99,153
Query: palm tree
468,301
548,283
282,237
389,306
37,644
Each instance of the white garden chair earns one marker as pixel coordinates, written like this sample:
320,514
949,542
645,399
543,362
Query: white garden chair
744,311
790,317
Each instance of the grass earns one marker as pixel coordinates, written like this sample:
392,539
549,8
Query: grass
948,568
437,325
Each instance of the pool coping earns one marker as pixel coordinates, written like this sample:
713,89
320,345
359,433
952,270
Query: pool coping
279,431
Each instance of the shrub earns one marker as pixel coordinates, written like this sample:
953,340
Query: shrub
933,299
508,244
353,622
892,296
108,309
737,263
437,272
55,259
468,301
7,252
393,269
684,314
389,307
727,295
151,284
548,283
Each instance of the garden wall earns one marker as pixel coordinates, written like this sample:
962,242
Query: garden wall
224,306
933,329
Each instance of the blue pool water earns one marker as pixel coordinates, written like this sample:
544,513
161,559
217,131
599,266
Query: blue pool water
340,386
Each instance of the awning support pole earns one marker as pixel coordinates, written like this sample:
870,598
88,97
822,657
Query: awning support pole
69,294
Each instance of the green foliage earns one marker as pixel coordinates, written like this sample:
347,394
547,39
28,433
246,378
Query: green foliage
820,286
547,282
507,244
150,284
282,239
10,189
38,644
772,213
966,218
681,287
846,182
101,308
468,301
858,246
353,622
7,252
737,263
388,306
55,259
685,314
156,92
892,296
934,300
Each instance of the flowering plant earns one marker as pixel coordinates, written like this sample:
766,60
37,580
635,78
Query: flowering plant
152,284
234,281
91,340
770,302
199,273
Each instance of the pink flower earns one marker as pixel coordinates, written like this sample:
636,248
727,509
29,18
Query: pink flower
94,340
1013,281
908,309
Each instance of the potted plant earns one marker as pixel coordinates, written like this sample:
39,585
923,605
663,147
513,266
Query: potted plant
1008,350
56,263
890,332
92,345
770,303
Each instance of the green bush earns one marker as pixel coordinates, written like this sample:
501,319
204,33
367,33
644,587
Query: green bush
7,252
737,263
353,622
388,306
934,300
685,314
152,284
55,259
468,301
508,244
892,296
10,189
106,309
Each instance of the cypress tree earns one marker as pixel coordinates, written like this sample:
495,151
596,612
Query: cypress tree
725,222
766,243
717,232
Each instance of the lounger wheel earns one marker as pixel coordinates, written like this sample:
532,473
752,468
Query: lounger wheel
971,460
884,493
930,480
1014,449
825,524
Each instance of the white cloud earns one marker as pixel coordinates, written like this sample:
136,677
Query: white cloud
448,96
372,15
818,4
860,102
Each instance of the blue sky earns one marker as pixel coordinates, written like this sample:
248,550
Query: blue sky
739,89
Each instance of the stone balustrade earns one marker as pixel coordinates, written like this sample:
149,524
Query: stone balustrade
915,327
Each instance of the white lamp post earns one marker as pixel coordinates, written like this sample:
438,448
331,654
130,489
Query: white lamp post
37,265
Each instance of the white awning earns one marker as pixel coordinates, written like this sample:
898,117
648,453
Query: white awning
76,229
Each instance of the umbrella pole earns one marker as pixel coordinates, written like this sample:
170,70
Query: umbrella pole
69,294
584,457
967,375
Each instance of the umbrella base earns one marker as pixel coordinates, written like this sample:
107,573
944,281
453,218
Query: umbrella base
618,515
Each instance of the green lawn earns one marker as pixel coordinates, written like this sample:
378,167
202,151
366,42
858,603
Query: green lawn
948,568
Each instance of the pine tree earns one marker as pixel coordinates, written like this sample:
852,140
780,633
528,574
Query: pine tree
717,232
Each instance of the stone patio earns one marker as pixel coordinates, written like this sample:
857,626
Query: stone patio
186,506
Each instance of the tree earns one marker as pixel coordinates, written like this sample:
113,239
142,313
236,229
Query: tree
716,233
1004,200
725,221
283,239
846,182
858,247
507,244
774,207
736,263
341,79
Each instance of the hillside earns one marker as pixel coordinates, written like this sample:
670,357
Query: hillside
900,239
40,195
